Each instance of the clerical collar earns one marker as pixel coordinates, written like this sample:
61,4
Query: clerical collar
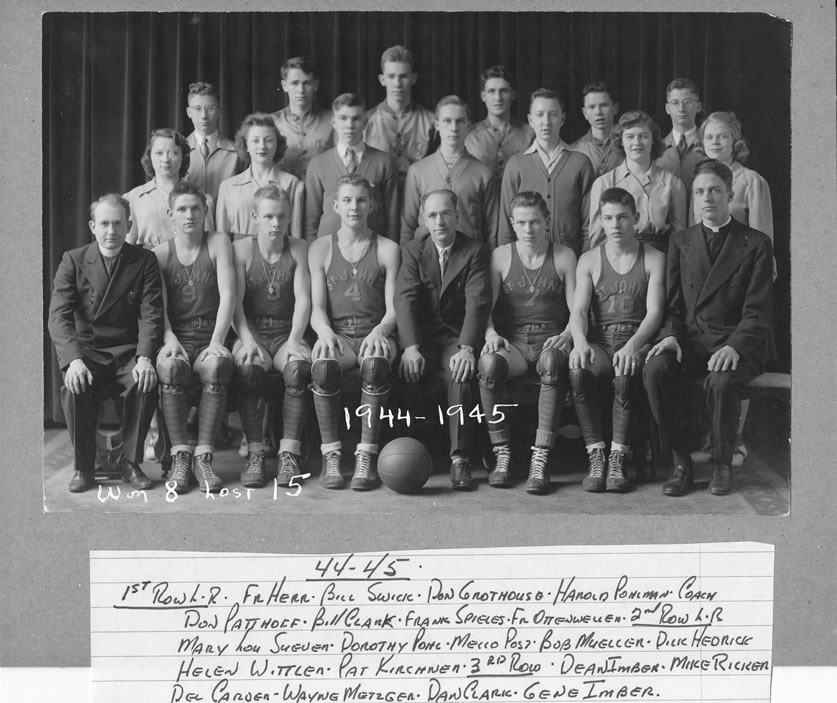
715,230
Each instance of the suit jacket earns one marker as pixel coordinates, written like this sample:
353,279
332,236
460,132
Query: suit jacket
208,174
100,319
428,305
729,302
325,169
682,168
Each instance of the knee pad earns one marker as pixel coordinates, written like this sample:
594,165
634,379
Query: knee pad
580,380
216,370
325,376
374,374
622,387
251,377
297,375
552,365
492,370
173,372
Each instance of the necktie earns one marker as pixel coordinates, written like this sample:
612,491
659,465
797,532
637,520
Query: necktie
351,160
205,149
681,145
443,260
110,262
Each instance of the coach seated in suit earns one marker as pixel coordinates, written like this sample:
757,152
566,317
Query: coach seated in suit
442,301
106,321
719,300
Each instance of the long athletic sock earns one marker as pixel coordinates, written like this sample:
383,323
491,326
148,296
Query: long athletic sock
175,412
211,412
328,416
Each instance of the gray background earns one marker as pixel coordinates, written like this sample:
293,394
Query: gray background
44,596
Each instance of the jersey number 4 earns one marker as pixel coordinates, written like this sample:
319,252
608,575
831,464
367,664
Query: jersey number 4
353,292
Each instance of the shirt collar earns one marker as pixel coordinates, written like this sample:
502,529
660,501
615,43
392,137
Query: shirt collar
622,171
598,142
690,135
212,139
247,175
536,149
386,108
439,249
343,149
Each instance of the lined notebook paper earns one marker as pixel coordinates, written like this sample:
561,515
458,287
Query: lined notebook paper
664,623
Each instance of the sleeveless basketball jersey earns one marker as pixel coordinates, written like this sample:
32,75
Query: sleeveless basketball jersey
620,298
269,291
530,296
355,296
192,291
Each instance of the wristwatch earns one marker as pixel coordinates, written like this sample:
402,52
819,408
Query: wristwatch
466,347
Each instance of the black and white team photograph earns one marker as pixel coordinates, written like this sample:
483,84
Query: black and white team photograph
417,263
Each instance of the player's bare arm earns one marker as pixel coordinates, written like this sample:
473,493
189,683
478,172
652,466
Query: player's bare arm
563,258
220,253
377,342
171,345
582,354
627,360
319,257
249,350
500,263
296,347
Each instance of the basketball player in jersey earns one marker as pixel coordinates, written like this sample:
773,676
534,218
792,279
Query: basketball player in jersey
353,275
199,291
532,282
621,285
273,304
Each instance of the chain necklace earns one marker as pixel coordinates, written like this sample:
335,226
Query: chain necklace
532,281
191,281
355,263
275,267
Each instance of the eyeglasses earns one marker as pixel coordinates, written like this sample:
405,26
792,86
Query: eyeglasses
688,104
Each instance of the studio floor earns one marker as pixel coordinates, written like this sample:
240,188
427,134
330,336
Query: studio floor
760,489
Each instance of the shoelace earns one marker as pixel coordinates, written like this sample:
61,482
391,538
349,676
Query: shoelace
205,468
182,464
256,462
597,463
289,465
615,469
363,464
333,464
538,467
503,454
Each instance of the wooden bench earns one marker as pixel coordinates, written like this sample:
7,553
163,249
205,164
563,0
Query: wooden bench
768,384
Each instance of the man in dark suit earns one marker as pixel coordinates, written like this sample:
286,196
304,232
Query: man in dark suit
719,298
442,301
106,321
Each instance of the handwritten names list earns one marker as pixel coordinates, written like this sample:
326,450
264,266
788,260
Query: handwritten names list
664,623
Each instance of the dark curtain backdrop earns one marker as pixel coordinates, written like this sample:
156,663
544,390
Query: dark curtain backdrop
109,79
